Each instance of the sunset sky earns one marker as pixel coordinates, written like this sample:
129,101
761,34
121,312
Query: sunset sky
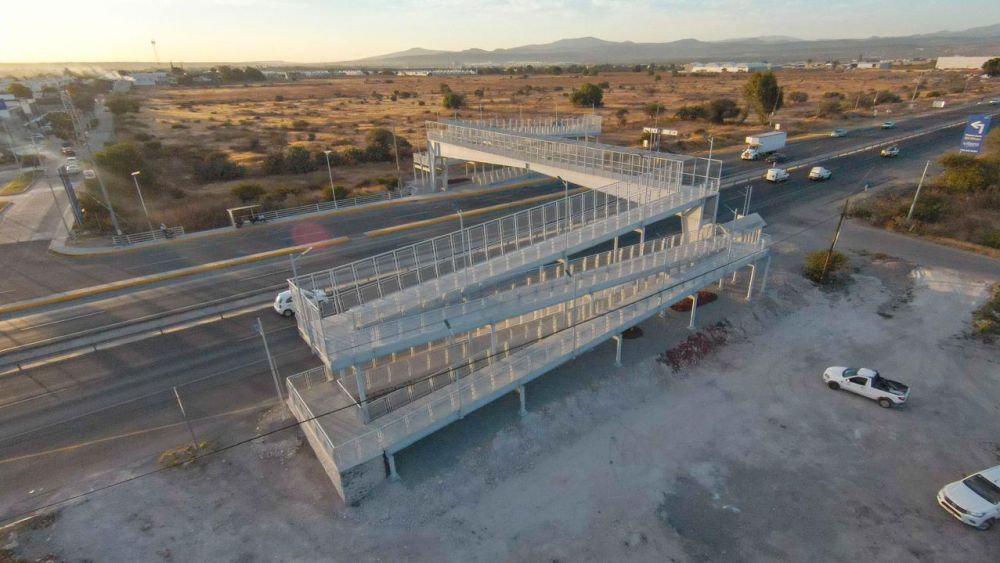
335,30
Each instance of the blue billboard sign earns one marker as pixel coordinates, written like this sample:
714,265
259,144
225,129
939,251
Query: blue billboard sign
975,131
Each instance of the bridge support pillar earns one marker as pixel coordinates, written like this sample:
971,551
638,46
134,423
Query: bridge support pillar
444,174
642,238
691,222
359,379
391,458
520,394
618,350
614,251
753,273
763,277
694,311
432,165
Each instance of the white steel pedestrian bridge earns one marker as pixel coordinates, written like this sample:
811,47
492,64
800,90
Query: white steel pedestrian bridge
413,339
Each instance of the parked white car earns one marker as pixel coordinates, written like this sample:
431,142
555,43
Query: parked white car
838,132
890,152
867,383
776,175
818,173
888,124
284,306
974,500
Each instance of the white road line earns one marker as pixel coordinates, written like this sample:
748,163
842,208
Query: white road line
60,320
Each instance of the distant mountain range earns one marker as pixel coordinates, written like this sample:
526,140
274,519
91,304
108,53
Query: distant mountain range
975,41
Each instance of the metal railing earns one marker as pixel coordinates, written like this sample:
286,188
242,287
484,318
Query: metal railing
441,268
149,236
599,319
575,126
606,161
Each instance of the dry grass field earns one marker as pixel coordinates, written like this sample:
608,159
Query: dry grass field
247,122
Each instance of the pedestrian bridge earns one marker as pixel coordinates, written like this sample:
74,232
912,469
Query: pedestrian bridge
413,339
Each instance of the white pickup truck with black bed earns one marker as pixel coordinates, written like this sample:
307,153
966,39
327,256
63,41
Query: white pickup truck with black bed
867,383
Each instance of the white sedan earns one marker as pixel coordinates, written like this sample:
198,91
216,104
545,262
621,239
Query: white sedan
819,173
867,383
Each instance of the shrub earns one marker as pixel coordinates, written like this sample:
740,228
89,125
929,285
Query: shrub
833,96
798,97
336,192
721,109
965,172
813,267
216,167
122,159
300,124
299,161
247,193
120,104
453,100
274,163
986,319
829,108
933,94
691,113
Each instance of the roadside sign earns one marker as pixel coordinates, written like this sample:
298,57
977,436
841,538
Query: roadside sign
661,131
975,131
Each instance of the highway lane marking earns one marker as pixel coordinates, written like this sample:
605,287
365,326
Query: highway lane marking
126,435
60,320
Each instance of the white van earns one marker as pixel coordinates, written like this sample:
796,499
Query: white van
776,175
284,306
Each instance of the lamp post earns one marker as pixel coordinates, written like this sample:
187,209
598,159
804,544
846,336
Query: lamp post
135,178
329,172
292,257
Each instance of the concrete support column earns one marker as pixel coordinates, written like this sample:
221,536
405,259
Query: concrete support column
359,379
520,395
444,174
391,458
614,251
691,222
694,311
753,272
493,340
642,239
432,165
763,277
618,350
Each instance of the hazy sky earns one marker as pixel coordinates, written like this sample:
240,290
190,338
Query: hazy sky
333,30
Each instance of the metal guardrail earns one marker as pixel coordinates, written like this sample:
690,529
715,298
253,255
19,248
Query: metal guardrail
336,204
150,236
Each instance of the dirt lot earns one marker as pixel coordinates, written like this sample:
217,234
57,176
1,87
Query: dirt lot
177,126
743,456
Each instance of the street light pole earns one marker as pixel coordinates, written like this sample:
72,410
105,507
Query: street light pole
135,178
292,257
329,173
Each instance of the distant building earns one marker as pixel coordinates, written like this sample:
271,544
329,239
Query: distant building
729,67
150,79
871,65
962,63
437,72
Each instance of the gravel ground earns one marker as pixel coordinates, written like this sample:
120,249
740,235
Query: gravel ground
742,456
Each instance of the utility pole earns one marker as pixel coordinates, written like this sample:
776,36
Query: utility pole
194,439
329,172
913,205
833,243
270,361
395,151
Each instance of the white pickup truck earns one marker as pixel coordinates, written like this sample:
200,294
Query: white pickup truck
974,500
867,383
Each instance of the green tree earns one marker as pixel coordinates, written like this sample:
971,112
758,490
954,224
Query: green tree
721,109
122,159
763,94
992,67
247,193
216,167
120,104
453,100
587,95
62,125
622,115
19,90
299,161
691,113
965,172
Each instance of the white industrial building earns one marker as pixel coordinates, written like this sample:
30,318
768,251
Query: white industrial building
872,65
728,67
962,63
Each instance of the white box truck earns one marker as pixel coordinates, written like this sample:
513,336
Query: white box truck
759,146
